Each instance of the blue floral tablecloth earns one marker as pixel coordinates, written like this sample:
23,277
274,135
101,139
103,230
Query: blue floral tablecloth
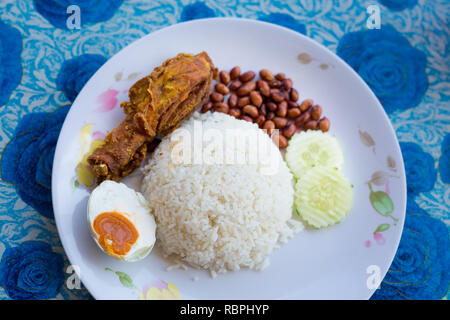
45,60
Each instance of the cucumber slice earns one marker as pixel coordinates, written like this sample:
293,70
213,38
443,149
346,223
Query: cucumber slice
323,196
309,149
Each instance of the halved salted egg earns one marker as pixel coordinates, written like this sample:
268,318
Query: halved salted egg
121,222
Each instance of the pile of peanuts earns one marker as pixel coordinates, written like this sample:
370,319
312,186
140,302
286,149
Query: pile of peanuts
271,102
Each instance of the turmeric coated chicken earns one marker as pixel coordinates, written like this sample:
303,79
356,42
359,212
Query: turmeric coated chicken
157,105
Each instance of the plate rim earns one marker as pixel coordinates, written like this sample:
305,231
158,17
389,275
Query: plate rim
313,42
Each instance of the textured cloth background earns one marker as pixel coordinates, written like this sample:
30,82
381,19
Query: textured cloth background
43,66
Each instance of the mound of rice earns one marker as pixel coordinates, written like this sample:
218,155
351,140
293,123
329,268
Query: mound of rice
220,216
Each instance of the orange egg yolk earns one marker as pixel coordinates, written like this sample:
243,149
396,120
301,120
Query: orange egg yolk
116,233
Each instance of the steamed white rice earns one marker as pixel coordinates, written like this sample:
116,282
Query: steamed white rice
220,216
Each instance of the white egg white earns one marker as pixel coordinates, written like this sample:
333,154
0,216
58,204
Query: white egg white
112,196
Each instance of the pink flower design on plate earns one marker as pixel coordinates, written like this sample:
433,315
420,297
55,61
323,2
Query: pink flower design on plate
159,290
379,238
98,135
107,100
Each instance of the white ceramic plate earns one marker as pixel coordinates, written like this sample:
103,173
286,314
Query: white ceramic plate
340,262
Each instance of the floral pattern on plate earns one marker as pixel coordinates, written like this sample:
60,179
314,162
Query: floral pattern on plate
156,290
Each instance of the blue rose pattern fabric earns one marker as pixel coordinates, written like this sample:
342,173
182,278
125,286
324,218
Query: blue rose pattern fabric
44,66
419,166
444,161
197,10
11,70
28,158
31,271
284,20
398,5
91,11
393,69
420,270
76,72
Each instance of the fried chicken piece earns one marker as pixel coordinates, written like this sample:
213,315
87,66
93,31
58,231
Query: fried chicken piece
158,104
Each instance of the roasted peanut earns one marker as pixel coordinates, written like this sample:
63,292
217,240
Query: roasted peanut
289,131
232,100
280,122
263,109
246,88
271,106
255,98
282,142
271,102
270,115
260,83
243,101
279,140
269,126
252,111
221,88
235,112
235,72
246,118
291,113
310,125
224,77
247,76
266,75
306,104
280,76
264,88
324,124
206,107
287,84
294,95
221,107
282,109
234,85
277,96
316,112
274,90
216,97
292,104
299,121
260,120
274,83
